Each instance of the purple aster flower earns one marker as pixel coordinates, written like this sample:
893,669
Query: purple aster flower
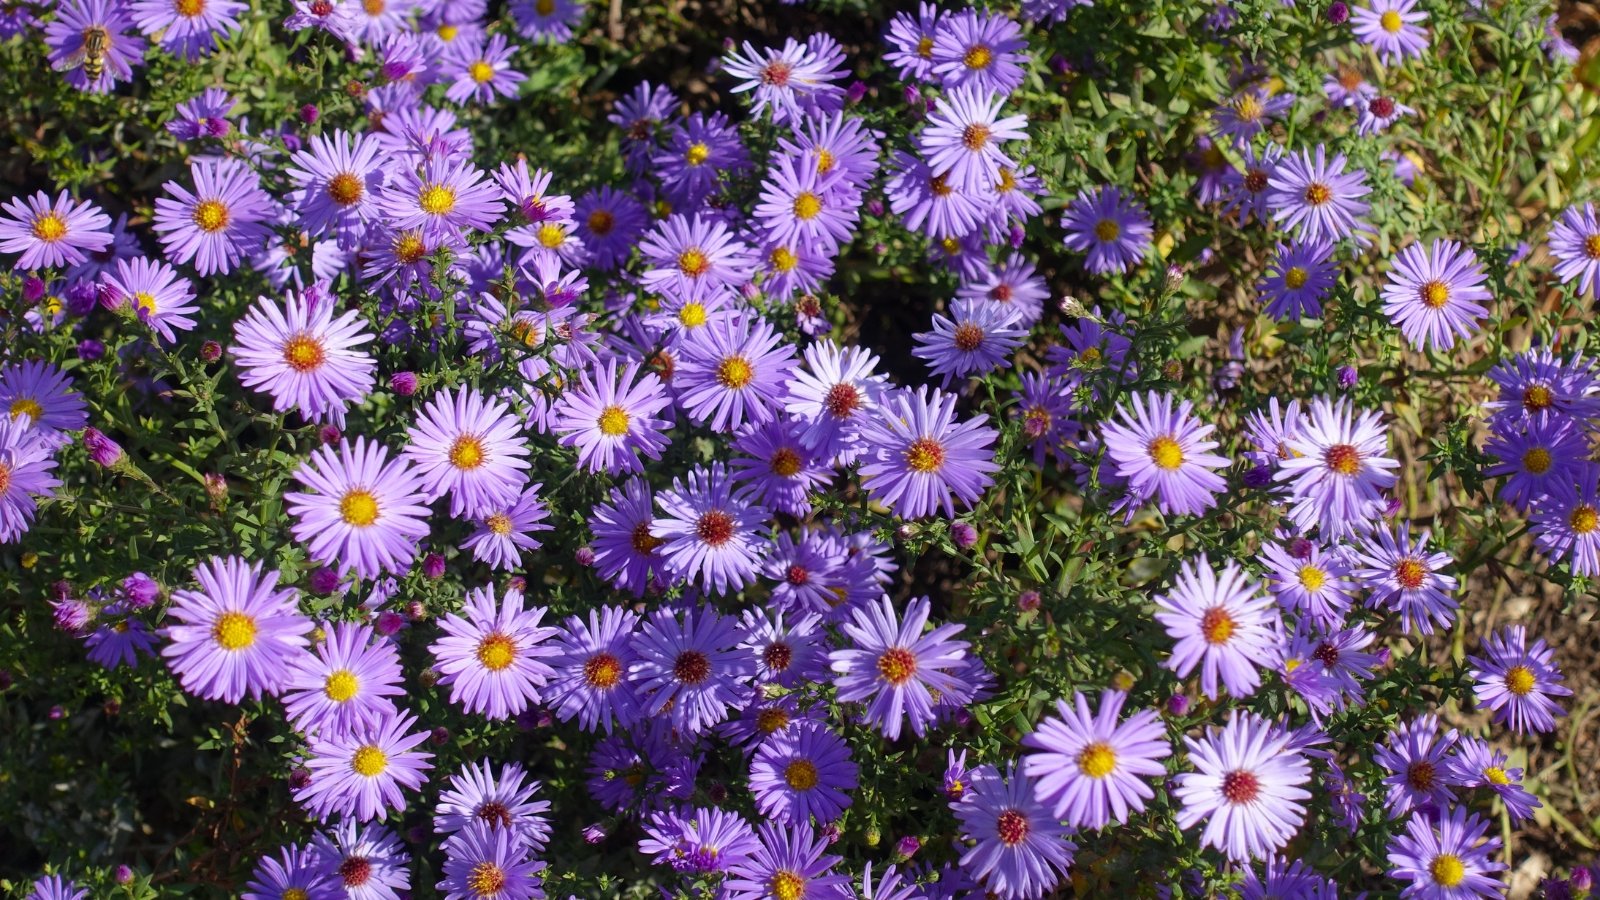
120,643
697,154
366,861
1324,668
1283,879
921,456
801,773
801,204
1020,850
693,670
1316,197
52,233
481,70
1309,580
68,34
1566,523
590,681
1246,191
638,116
976,339
156,293
1044,407
1378,113
443,198
1164,454
40,402
55,887
612,420
786,653
1349,806
494,658
550,20
791,863
1575,245
609,224
25,466
1337,468
362,773
505,533
980,50
1111,227
1432,295
346,681
926,201
707,533
337,181
1393,28
202,116
296,873
236,635
837,144
470,447
834,395
1537,385
1477,765
895,668
302,356
1550,454
698,840
475,795
1298,279
1248,113
1090,767
910,39
796,267
1517,680
1402,576
366,513
1446,856
1246,787
191,28
212,226
775,469
1416,757
486,863
626,552
1222,624
791,81
963,136
336,17
1347,88
733,372
691,257
1012,285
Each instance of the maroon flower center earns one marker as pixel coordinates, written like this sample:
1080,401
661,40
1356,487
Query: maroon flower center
355,871
1000,293
714,528
1012,826
494,814
1343,459
1327,654
777,657
797,575
1420,775
897,665
776,73
1383,107
1255,181
1318,194
842,400
692,667
1410,573
1240,786
968,337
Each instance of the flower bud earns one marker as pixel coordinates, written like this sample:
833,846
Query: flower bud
124,875
1338,12
324,581
433,565
964,535
907,846
210,351
142,590
584,556
403,383
439,736
90,350
1028,601
329,434
33,289
309,114
1177,705
1348,376
102,450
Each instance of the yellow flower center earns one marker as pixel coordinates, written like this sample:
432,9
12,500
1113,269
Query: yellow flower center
1584,519
1391,22
1446,868
601,222
1107,230
602,670
1216,626
374,7
1296,278
369,761
486,879
1537,397
734,373
210,215
975,136
771,719
1536,461
544,7
1247,107
409,247
692,314
345,188
1520,680
784,259
807,206
1496,775
1312,578
825,160
1434,294
785,463
234,631
697,154
358,508
897,665
436,199
1097,760
787,885
693,262
499,524
303,353
146,301
50,227
551,236
496,652
341,686
613,421
447,33
295,893
27,406
925,47
467,452
481,72
925,455
1318,194
1591,246
1166,453
801,775
978,57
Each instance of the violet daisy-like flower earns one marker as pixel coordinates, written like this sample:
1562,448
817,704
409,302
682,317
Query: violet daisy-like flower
1566,523
834,395
978,49
789,81
921,459
1283,879
963,136
1091,768
1020,850
788,653
1222,623
1337,467
698,153
976,339
1014,285
49,233
120,643
68,36
155,292
1316,197
1432,295
1045,409
345,681
775,469
1516,680
1324,668
237,634
190,28
337,179
1246,787
1401,575
486,863
791,863
1393,28
366,861
443,198
225,215
470,447
302,356
362,773
1477,765
1248,113
910,39
692,256
205,115
609,223
1111,227
894,668
296,873
799,203
549,20
691,670
1378,113
627,554
708,533
38,399
926,201
1538,386
504,534
733,372
1575,245
481,71
802,773
1163,452
56,887
698,840
365,512
1308,579
1537,462
1416,757
1297,279
613,419
494,659
1247,189
476,795
591,667
26,463
1446,855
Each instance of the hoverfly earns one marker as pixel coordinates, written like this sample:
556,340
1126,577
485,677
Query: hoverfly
95,41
